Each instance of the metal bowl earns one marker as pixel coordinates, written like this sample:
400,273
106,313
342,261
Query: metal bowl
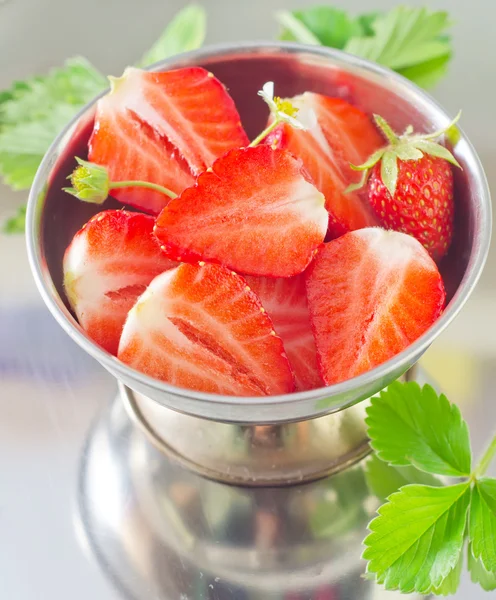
53,217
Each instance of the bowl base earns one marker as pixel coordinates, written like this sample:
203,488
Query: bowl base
255,455
159,529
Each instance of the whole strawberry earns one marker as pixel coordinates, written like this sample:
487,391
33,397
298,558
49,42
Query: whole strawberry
410,187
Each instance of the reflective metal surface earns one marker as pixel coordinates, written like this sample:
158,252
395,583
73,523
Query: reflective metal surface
159,531
53,217
260,455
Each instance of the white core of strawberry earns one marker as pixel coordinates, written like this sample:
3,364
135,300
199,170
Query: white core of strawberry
129,94
150,322
90,279
394,249
148,316
307,204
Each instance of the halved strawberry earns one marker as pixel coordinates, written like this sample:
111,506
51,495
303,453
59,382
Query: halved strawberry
285,300
371,293
108,264
343,134
133,151
164,128
200,327
254,211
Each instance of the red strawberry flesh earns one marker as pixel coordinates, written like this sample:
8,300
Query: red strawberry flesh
285,300
135,152
371,293
343,134
200,327
164,128
108,264
255,211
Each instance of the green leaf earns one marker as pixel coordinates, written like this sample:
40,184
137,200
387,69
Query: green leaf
482,522
18,170
34,112
479,574
185,32
366,22
428,73
418,536
73,85
330,26
16,223
389,171
450,583
295,30
383,479
409,425
407,37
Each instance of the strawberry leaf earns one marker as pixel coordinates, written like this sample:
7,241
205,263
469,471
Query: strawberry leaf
294,29
383,479
34,112
483,523
185,32
409,40
409,425
326,25
479,574
451,582
417,539
16,223
429,73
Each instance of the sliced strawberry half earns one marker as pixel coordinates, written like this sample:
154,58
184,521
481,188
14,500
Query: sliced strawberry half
200,327
371,293
164,128
135,152
255,211
342,134
108,264
285,300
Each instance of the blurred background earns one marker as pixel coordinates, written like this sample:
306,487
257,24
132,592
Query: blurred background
50,391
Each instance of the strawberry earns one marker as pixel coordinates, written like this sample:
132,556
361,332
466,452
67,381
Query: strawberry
285,301
340,134
255,211
200,327
411,187
108,264
164,128
371,293
133,151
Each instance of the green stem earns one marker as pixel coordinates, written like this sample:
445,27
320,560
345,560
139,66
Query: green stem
264,133
145,184
386,129
486,459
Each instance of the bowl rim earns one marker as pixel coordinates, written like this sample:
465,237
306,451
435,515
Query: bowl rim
406,357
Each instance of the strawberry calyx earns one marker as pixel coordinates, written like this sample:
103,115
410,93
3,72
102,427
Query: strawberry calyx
406,146
91,183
